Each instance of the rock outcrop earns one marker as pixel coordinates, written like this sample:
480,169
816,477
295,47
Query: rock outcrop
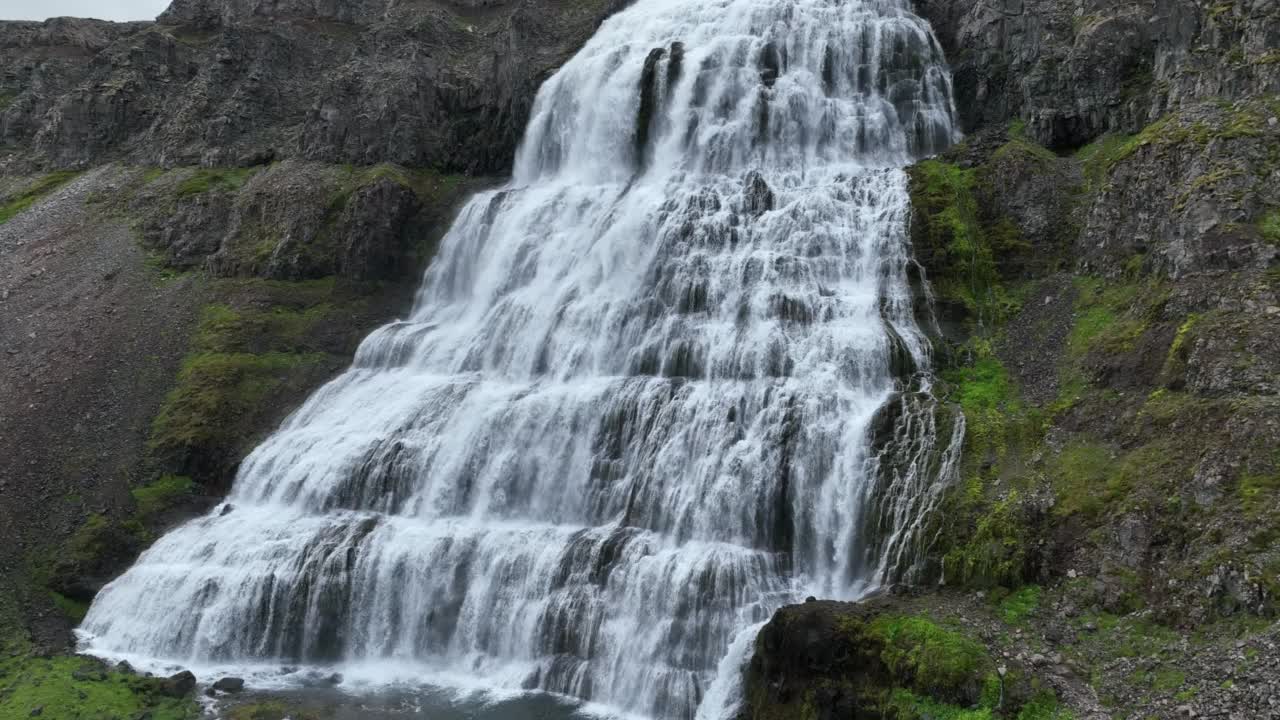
1074,70
234,83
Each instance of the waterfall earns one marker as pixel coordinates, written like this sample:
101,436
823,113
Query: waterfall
666,380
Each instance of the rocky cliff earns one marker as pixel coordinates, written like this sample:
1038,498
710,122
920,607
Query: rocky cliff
1103,251
445,85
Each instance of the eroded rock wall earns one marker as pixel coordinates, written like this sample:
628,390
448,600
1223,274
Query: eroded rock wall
234,83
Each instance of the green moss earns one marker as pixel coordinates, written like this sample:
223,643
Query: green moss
223,329
33,192
929,658
242,359
1111,316
430,186
994,553
1044,706
906,705
962,249
1020,604
69,688
73,609
1079,474
161,494
1259,492
1269,227
205,180
216,391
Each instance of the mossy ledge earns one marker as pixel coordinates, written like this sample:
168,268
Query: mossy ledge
881,660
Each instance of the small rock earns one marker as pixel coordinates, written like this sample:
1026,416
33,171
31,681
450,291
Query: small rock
179,685
1186,711
334,679
1039,660
37,712
229,685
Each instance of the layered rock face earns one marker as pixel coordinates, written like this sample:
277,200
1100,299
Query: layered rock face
224,82
1073,70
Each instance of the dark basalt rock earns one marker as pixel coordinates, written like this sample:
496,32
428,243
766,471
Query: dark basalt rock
1076,70
226,82
229,685
179,685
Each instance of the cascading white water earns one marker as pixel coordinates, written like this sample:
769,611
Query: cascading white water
635,408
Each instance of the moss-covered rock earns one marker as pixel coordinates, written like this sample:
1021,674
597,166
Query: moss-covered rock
872,660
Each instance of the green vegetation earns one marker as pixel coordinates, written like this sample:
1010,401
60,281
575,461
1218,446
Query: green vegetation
161,494
995,553
1259,492
1044,706
990,535
33,192
1020,604
240,359
906,705
73,609
1080,472
70,687
203,180
227,330
216,391
962,247
1112,315
1269,226
931,659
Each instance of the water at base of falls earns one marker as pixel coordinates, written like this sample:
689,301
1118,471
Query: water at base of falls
665,381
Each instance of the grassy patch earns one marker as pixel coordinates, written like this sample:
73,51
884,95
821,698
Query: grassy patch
226,330
70,687
161,494
962,249
1044,706
38,189
1269,226
1080,474
73,609
1099,157
906,705
990,534
216,391
1019,605
1258,493
931,659
205,180
1111,316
